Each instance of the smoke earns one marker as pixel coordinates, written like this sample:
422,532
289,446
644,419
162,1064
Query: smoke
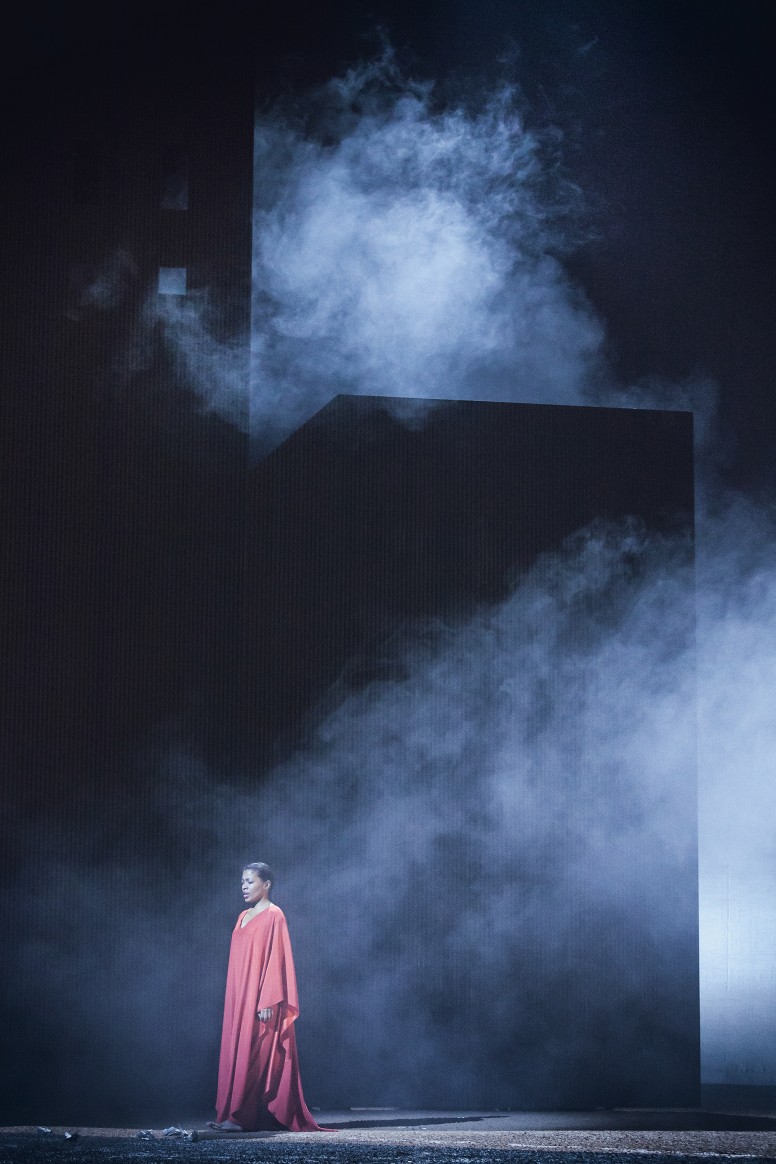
440,843
443,846
497,789
102,286
413,250
401,248
207,361
737,746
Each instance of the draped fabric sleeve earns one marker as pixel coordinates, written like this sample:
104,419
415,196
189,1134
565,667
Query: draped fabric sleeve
277,987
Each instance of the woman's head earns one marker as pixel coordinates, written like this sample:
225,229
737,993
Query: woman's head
257,880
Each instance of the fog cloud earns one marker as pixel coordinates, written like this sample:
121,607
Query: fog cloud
440,844
413,250
410,248
520,776
401,248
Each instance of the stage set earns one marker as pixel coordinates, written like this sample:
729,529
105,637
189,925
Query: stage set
547,982
414,653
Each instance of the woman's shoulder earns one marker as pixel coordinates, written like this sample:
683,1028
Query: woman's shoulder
277,912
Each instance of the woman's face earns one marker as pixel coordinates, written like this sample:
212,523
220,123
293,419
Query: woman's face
253,888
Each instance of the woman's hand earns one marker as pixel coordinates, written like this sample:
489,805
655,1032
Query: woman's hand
265,1014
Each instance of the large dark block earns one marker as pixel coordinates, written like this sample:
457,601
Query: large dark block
518,958
378,513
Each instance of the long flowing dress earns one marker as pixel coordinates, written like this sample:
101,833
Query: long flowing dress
258,1072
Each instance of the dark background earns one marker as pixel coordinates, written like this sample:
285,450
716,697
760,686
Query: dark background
125,505
667,111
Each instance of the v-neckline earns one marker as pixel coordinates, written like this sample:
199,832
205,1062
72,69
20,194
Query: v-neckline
244,924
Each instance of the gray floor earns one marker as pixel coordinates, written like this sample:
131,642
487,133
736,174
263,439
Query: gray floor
381,1136
617,1119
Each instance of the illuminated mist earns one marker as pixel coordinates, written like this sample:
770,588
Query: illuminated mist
407,250
411,250
401,250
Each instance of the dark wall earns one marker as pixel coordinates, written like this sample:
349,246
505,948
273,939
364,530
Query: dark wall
548,958
123,505
377,516
133,625
181,635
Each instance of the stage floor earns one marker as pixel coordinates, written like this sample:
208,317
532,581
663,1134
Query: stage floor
429,1137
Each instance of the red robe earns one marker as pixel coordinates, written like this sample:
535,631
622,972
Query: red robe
258,1072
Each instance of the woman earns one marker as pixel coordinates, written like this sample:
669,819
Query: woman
258,1074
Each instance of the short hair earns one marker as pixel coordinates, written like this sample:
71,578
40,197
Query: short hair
261,870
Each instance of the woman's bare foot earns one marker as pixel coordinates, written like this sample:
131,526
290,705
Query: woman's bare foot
226,1126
